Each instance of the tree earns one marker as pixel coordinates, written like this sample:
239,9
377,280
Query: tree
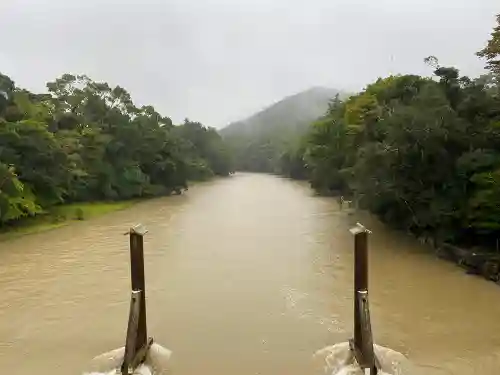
16,200
492,50
208,152
6,89
432,61
39,160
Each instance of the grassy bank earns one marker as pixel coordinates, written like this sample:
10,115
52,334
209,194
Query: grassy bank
65,214
61,215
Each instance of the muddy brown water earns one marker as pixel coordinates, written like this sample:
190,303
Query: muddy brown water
245,275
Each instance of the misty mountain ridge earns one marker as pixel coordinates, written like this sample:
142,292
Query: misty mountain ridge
292,113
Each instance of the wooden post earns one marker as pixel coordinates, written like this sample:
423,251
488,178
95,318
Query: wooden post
360,279
138,280
362,344
132,328
137,342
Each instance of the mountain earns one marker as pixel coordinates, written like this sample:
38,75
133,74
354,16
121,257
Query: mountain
262,142
292,113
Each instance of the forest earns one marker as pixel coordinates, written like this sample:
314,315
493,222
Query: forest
259,142
87,141
422,153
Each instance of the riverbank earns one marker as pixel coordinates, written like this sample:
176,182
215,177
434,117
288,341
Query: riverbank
62,215
473,261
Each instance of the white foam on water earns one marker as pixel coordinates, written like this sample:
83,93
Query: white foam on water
338,360
156,363
333,360
141,370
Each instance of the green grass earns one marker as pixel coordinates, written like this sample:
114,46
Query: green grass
59,216
90,209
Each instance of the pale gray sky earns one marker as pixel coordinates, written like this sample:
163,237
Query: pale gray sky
217,61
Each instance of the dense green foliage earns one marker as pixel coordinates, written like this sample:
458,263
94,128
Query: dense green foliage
270,141
421,153
86,140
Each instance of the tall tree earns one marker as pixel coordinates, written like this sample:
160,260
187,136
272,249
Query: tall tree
492,50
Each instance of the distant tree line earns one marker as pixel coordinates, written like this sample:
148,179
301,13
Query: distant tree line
270,140
274,151
86,140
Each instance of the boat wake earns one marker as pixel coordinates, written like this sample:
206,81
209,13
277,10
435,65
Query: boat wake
339,360
109,363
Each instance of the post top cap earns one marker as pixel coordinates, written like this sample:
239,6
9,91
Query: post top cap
359,228
138,229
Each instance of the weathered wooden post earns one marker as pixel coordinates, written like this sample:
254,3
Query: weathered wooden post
137,342
362,344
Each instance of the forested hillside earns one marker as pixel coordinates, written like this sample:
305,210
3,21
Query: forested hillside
86,140
422,153
260,142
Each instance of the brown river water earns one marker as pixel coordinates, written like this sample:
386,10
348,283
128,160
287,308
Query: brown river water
247,275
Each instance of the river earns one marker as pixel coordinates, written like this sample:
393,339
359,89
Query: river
245,275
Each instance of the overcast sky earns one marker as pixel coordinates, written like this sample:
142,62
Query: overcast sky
217,61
